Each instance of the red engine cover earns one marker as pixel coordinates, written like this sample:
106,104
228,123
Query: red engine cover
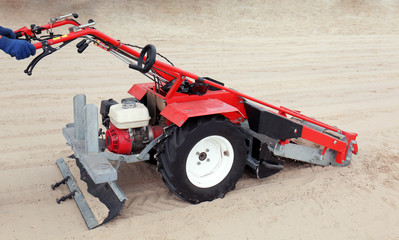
118,140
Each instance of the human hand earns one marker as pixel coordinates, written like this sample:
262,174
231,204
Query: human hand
6,32
17,48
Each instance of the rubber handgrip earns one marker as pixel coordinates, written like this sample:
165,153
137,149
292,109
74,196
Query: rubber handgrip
83,47
80,43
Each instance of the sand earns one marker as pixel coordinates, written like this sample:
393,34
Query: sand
337,61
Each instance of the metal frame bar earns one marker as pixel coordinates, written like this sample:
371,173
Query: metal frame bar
84,208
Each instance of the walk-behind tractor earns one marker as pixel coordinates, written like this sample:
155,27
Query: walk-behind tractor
201,133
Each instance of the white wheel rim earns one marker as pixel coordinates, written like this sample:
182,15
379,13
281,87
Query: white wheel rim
209,161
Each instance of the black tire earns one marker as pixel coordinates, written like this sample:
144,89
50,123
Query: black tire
173,158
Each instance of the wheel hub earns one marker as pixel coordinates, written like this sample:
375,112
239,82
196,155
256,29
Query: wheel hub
209,161
202,156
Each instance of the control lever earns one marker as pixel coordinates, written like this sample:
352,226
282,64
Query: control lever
81,43
77,28
83,47
56,19
47,50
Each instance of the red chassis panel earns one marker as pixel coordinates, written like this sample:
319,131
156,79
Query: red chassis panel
181,106
178,113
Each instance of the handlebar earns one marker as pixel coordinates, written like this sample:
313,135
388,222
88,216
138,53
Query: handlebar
88,32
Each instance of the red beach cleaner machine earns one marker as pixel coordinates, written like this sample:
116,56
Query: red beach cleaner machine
201,133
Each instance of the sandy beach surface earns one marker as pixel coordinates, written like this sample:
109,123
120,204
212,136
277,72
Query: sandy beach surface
337,61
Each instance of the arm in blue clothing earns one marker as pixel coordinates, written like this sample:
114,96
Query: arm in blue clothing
15,48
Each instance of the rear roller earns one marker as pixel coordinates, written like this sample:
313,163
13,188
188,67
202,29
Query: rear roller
203,159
